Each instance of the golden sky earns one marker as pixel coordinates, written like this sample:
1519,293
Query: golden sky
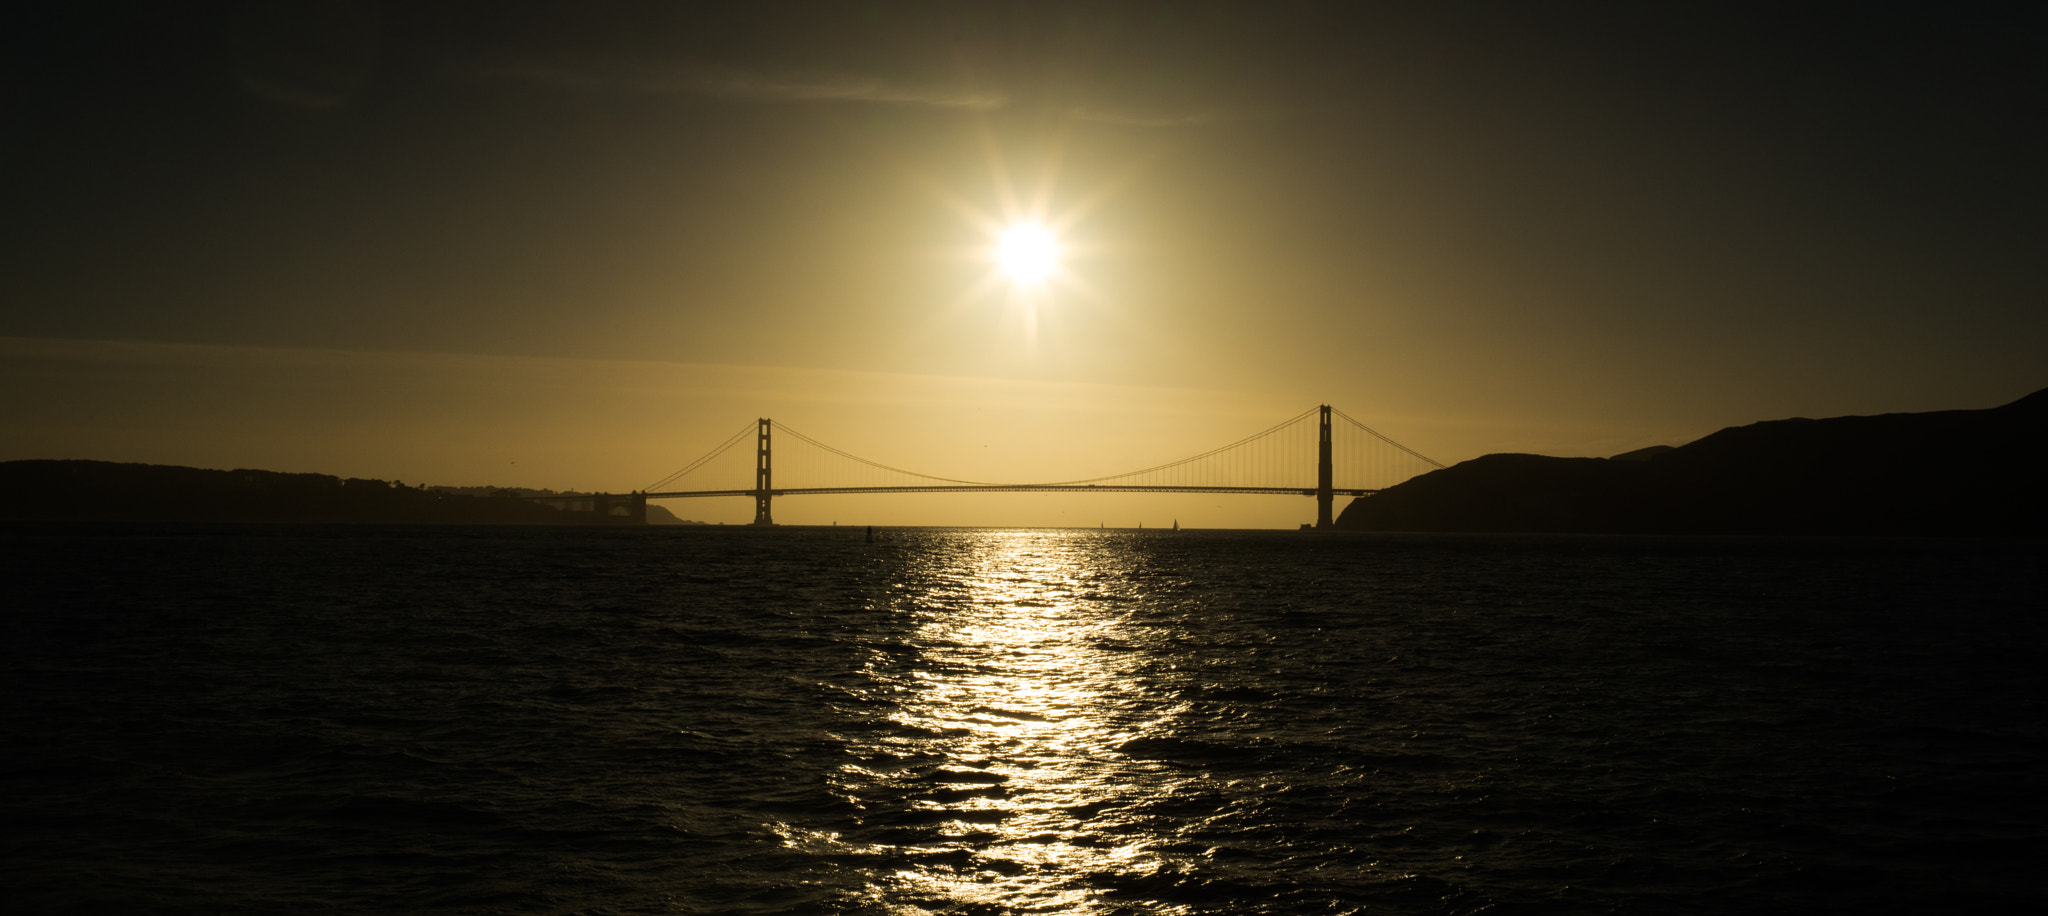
576,245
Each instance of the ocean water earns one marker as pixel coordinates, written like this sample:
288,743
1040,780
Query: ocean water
256,719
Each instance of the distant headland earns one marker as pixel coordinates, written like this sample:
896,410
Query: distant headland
1947,473
47,490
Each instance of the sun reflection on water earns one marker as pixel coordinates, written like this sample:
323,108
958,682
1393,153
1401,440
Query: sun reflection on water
1017,704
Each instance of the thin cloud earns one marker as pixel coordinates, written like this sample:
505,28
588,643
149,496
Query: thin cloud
694,78
845,89
683,78
1169,120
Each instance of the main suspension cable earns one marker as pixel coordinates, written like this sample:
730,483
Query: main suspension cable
1255,458
1058,483
720,450
876,464
1383,438
1174,464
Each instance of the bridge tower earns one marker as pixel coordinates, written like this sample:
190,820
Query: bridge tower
1324,493
763,476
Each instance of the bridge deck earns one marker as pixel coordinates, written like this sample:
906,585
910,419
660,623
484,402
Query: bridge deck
1008,488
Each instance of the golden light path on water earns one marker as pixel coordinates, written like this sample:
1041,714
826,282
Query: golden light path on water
1023,666
1029,691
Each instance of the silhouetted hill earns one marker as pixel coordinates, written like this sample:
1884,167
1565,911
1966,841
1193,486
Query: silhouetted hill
1953,472
1642,454
656,515
107,491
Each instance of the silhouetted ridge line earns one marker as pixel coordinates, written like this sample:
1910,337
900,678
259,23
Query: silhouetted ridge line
1944,473
76,490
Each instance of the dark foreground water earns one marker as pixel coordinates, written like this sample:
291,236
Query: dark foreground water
231,720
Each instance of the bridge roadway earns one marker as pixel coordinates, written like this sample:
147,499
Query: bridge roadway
635,504
1009,488
764,490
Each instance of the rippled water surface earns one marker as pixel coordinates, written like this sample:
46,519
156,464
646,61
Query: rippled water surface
479,720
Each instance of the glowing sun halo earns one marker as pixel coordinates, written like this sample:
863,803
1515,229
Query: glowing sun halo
1028,252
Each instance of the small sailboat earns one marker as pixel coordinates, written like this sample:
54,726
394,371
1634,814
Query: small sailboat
1176,524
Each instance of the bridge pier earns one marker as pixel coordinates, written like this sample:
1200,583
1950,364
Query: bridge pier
635,504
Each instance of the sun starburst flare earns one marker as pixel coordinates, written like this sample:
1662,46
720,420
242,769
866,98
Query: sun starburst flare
1028,253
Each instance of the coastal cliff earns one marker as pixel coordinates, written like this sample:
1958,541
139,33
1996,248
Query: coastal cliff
1947,473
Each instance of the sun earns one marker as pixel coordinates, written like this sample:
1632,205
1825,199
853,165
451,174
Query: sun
1028,253
1031,245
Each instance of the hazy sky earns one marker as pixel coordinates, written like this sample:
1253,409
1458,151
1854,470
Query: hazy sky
575,245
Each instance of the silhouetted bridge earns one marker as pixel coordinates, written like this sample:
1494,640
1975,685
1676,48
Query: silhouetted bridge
1275,462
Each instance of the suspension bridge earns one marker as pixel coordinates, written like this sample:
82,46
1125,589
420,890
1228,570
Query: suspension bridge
1321,452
